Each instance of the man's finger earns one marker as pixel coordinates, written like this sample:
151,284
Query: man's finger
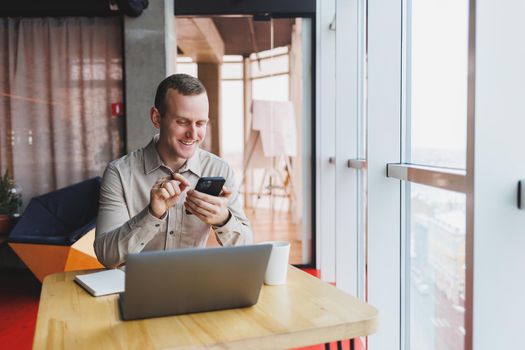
209,207
196,210
204,197
164,194
175,185
226,193
183,181
170,187
201,217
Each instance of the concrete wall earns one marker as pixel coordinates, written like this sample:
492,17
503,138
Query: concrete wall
149,56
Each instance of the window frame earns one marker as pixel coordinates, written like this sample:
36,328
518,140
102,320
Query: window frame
458,180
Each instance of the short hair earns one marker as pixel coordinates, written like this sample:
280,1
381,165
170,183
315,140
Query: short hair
185,84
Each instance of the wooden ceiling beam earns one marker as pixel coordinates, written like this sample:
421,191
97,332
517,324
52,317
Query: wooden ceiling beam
199,39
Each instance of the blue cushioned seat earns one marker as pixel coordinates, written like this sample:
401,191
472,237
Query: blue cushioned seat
60,217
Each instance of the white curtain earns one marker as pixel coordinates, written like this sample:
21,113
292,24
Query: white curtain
58,80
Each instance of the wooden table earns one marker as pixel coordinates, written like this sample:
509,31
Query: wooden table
305,311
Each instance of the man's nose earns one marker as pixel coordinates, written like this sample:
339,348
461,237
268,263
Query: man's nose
192,131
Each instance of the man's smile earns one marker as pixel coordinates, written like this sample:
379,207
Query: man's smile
187,143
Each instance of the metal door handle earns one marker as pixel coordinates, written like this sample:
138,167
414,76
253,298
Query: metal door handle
357,163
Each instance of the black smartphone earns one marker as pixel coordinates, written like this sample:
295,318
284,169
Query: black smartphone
211,185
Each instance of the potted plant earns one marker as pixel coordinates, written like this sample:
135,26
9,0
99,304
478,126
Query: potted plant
10,201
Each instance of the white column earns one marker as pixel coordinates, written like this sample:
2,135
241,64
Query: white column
325,140
384,106
346,137
499,227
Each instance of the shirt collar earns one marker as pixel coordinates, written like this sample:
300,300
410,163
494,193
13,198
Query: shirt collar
152,160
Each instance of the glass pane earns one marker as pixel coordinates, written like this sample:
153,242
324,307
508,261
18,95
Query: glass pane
271,88
232,125
272,65
279,214
185,65
438,82
232,70
232,58
437,269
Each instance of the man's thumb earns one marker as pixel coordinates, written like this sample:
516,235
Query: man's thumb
226,192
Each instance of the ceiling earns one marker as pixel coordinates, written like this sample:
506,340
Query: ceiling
237,35
241,35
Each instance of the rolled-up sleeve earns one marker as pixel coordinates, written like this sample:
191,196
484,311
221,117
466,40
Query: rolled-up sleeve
237,230
117,234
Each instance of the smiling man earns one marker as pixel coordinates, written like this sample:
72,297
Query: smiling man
147,201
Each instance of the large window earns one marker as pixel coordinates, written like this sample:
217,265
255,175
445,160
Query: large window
445,109
267,93
435,92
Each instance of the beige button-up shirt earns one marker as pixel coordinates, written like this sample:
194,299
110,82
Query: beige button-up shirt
125,225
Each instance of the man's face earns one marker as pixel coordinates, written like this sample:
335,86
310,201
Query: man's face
183,126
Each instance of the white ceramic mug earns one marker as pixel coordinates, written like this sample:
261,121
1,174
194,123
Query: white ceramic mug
278,264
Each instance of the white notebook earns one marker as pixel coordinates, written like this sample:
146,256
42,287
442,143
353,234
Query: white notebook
103,282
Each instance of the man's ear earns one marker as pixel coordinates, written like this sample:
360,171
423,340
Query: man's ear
155,117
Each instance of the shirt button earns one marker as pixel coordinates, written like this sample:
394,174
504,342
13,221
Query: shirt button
171,232
157,225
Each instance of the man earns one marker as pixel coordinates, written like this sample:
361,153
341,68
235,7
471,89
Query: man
147,201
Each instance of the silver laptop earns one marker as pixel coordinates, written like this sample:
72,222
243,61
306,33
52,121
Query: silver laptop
185,281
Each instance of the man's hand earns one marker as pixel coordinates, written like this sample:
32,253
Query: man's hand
210,209
165,192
